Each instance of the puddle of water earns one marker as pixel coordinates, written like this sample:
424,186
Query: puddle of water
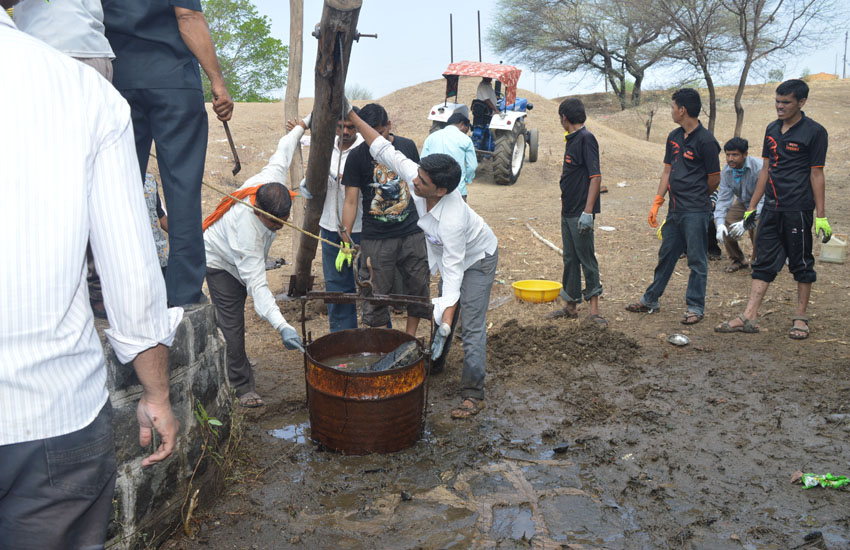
294,433
513,522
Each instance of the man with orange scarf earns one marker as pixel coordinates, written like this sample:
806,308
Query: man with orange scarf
237,240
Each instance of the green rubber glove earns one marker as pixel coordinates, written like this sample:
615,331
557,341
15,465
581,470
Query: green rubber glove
344,255
823,229
750,218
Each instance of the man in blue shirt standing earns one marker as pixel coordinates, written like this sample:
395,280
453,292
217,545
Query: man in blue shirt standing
158,45
454,141
737,183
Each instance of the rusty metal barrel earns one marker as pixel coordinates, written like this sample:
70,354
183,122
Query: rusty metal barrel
364,412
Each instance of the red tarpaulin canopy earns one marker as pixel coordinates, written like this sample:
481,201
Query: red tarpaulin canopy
506,74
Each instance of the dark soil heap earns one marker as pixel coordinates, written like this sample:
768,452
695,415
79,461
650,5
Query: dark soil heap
563,344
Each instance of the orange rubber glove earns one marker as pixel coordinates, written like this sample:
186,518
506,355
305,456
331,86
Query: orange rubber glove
653,212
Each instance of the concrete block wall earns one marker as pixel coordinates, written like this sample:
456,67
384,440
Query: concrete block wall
147,502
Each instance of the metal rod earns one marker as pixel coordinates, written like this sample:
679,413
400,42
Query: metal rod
451,40
236,164
479,36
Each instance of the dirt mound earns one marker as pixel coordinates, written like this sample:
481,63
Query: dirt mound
559,345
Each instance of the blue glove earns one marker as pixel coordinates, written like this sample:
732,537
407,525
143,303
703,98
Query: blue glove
585,223
291,340
439,341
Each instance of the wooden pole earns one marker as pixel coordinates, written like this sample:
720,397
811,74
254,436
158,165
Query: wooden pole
290,108
337,28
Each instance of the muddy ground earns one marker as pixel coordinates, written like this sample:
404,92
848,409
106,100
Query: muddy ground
590,439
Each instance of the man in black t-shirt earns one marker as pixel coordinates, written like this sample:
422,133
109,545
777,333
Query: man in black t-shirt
792,181
580,182
691,174
389,236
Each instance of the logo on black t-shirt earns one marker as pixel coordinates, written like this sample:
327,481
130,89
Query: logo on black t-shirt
774,156
391,196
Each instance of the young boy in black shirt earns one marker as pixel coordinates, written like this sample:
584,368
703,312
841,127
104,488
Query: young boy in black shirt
580,182
792,181
691,174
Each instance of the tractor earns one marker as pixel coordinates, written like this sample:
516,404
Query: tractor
501,136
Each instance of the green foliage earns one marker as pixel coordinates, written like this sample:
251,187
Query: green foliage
356,91
252,61
806,74
775,75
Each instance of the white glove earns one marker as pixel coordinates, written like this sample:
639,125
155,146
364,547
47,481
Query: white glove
439,341
721,232
307,120
736,230
302,188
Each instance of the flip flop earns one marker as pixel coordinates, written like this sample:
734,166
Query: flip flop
598,319
803,332
251,400
691,318
562,313
639,307
735,266
469,407
748,327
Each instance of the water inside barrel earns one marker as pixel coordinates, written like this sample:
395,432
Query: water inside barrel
353,362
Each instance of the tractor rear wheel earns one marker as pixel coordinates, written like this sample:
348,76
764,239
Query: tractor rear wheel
533,138
509,154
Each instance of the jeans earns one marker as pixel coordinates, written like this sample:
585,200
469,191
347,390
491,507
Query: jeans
682,230
579,255
56,493
340,316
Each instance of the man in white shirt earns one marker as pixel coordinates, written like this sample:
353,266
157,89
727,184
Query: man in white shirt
76,29
340,316
461,247
56,444
237,240
486,93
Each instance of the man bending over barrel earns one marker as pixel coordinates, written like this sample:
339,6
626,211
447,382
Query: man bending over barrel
237,241
461,247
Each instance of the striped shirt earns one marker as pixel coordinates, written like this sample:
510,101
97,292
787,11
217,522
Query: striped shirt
68,155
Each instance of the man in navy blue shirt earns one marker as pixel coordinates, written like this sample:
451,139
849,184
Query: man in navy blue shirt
158,45
691,174
792,182
580,181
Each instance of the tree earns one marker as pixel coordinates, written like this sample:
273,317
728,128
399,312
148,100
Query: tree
290,104
765,27
252,61
613,38
703,28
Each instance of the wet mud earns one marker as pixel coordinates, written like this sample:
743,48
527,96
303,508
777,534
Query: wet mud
589,440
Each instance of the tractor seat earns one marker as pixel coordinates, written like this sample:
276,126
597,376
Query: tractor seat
481,114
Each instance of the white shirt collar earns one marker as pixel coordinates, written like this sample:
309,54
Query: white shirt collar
6,20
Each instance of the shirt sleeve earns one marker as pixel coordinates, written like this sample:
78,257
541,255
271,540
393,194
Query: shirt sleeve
590,151
188,4
668,151
817,149
122,243
471,159
352,174
765,148
711,156
276,170
725,195
249,255
453,237
426,147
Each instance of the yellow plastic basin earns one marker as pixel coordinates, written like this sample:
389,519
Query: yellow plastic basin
537,290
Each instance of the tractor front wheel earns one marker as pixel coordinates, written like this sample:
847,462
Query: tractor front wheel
509,154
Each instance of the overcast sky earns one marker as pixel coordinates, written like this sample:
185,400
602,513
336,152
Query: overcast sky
413,46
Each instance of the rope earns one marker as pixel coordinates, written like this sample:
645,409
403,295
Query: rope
264,213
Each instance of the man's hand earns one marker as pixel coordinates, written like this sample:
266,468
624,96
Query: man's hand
344,255
823,230
302,188
157,416
722,231
222,104
291,340
439,341
585,223
653,212
736,230
750,217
